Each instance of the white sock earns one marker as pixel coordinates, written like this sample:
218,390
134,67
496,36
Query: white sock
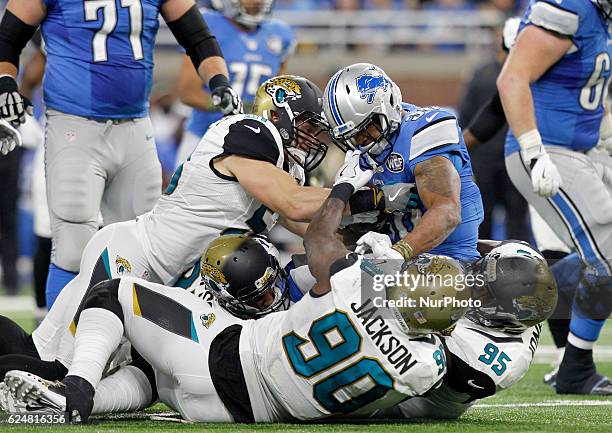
126,390
98,334
579,342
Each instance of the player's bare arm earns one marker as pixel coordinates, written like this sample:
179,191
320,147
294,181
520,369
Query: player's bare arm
439,188
322,246
536,50
190,87
274,187
295,227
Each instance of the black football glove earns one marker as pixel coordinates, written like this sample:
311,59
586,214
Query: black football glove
13,105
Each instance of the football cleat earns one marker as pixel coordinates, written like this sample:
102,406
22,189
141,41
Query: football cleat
594,385
35,393
8,403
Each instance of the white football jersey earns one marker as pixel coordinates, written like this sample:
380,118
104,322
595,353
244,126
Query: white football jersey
336,354
200,203
485,361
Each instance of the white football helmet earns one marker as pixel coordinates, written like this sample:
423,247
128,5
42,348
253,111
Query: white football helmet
357,99
238,10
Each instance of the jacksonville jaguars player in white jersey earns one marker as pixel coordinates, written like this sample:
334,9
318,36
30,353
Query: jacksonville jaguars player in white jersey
255,47
553,87
100,153
235,181
410,145
317,359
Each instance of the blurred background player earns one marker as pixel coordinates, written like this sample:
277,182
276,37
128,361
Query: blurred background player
255,48
97,82
552,88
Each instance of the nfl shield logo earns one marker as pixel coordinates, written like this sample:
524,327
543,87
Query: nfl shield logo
395,163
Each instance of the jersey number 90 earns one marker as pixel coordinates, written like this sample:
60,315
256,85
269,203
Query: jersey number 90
335,339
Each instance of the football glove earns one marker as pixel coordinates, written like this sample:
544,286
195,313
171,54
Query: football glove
13,106
225,99
545,177
605,134
380,245
9,137
352,172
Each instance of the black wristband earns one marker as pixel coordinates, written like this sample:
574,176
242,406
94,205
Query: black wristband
366,200
342,191
218,80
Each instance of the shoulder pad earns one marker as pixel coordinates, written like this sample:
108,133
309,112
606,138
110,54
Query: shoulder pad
434,127
558,16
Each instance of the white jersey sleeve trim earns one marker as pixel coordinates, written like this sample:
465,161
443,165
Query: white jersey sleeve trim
436,135
553,18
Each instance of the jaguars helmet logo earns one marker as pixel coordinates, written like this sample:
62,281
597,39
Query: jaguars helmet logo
123,266
207,319
213,277
282,89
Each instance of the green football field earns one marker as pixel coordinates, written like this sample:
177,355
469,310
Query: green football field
530,406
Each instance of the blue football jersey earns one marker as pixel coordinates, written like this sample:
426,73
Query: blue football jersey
251,56
569,97
100,56
423,134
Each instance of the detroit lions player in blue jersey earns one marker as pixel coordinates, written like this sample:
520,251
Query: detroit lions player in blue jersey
255,47
100,153
410,145
553,87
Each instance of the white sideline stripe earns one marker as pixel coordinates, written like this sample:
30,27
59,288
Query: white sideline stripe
548,403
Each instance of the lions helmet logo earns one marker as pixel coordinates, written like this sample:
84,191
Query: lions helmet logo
123,266
282,89
368,84
208,319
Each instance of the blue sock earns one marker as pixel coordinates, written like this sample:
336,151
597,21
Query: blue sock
585,329
56,280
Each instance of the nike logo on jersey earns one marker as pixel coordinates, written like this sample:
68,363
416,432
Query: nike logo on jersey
393,197
473,385
255,130
431,117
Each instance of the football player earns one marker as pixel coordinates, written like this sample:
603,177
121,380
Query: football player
492,347
235,181
97,84
331,353
552,88
410,145
255,48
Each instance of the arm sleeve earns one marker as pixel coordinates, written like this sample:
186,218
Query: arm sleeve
553,17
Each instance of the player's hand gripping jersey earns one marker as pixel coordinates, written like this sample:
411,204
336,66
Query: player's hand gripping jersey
337,354
568,98
485,361
200,202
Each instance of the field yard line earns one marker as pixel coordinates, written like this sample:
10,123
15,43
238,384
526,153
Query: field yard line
549,403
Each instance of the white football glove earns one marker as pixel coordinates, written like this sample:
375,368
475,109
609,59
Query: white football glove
602,162
380,245
605,134
9,137
545,177
13,105
352,173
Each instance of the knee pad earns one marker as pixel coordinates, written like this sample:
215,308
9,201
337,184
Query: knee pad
105,295
594,297
69,241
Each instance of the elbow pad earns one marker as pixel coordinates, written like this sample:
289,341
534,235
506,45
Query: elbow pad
489,120
193,34
14,35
